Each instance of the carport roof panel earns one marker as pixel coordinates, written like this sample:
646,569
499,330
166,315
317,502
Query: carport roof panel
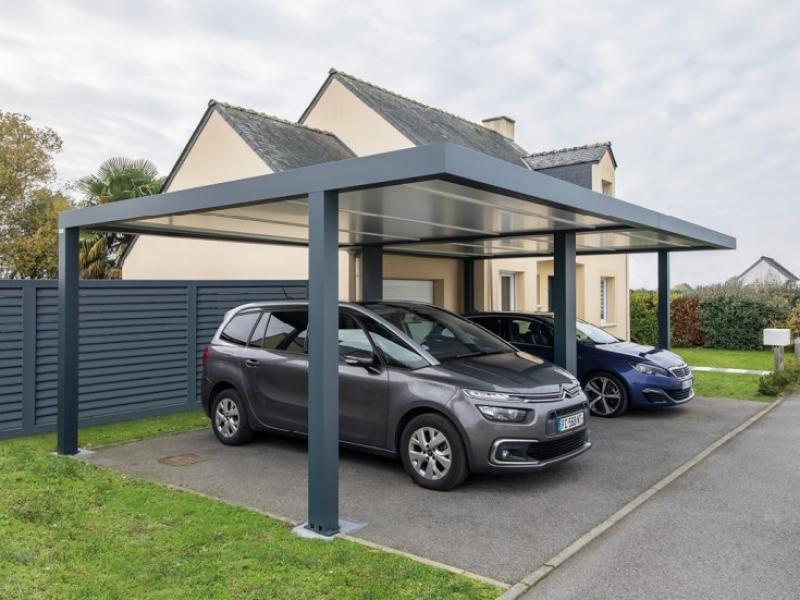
433,200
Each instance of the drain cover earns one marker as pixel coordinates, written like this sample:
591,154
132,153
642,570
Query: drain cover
181,460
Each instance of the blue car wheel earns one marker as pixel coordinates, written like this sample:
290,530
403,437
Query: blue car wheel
606,394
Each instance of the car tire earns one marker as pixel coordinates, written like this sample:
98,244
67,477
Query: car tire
606,394
229,418
428,441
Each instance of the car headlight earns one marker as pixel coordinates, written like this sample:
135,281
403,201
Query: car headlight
502,414
491,396
648,369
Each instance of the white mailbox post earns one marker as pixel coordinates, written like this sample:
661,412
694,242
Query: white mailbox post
777,338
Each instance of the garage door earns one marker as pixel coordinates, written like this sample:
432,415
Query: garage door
420,290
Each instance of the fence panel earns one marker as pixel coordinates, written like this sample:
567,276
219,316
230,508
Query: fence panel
140,346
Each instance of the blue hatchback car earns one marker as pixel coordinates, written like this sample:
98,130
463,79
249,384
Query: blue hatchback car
615,374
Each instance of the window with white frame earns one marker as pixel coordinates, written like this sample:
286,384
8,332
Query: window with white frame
507,291
606,299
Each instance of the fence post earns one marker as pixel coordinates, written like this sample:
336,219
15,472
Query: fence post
191,343
28,356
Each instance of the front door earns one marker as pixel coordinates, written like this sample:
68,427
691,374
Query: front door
278,376
531,336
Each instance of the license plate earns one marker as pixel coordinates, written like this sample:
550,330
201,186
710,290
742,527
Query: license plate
569,422
686,384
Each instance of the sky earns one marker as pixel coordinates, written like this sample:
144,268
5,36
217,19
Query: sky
701,100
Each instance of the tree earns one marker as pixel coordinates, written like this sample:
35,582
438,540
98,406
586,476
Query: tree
29,246
28,207
117,179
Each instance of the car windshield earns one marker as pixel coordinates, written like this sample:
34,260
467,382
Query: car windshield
586,332
442,334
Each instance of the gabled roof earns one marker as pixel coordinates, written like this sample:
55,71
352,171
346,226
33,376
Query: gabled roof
423,124
775,265
569,156
281,144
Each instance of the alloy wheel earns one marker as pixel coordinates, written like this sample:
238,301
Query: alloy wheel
430,453
226,417
604,395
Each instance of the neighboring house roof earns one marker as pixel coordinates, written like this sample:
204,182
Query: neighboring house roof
281,144
569,156
775,265
423,124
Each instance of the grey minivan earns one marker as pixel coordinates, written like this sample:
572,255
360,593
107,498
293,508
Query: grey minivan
417,381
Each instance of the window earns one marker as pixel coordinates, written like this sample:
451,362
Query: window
238,329
507,291
395,351
493,324
606,298
257,337
352,336
608,188
287,331
537,333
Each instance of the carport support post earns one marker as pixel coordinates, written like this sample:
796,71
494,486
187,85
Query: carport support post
566,345
664,324
323,363
469,285
68,283
371,273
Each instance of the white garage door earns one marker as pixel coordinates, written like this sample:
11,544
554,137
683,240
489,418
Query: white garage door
408,289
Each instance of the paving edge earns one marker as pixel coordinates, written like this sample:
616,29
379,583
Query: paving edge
294,523
547,567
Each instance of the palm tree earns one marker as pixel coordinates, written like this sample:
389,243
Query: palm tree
117,179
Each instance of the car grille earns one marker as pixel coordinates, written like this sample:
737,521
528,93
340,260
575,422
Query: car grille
559,447
681,372
571,392
680,394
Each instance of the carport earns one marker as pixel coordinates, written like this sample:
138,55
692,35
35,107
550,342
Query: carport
440,200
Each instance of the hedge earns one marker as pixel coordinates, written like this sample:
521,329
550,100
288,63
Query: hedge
725,316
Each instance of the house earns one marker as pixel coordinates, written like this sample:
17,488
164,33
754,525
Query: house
767,270
350,117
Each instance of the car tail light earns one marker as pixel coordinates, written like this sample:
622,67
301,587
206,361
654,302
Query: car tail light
204,361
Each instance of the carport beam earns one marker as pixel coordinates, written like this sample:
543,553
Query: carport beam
664,323
565,346
68,282
323,364
371,273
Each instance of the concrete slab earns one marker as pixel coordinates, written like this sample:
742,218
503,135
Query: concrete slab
728,529
498,526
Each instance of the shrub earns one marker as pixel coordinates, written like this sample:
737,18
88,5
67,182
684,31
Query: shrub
733,316
775,383
687,328
644,320
793,322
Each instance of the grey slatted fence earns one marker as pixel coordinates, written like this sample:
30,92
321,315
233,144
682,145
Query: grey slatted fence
140,346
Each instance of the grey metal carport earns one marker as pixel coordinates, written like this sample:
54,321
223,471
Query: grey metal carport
440,200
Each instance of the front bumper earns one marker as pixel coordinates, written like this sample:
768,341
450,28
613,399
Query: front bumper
530,446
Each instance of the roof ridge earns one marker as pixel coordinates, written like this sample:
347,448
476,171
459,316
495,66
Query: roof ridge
570,149
214,102
334,71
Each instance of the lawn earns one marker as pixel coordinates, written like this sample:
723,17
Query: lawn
760,360
72,530
729,385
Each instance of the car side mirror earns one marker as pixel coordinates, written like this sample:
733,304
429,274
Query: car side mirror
361,358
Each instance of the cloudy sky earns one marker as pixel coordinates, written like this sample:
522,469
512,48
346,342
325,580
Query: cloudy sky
700,99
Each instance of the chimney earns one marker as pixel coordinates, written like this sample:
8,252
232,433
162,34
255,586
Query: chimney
502,125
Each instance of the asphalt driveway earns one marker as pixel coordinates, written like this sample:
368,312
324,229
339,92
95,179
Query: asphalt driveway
498,526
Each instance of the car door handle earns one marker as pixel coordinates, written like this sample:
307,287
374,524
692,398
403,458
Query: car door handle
251,362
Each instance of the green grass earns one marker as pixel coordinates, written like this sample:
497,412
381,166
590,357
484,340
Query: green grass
72,530
760,360
729,385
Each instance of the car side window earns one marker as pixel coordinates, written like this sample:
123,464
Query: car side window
257,337
352,336
238,329
524,331
287,331
395,351
493,324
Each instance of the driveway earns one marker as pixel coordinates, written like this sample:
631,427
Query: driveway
502,527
